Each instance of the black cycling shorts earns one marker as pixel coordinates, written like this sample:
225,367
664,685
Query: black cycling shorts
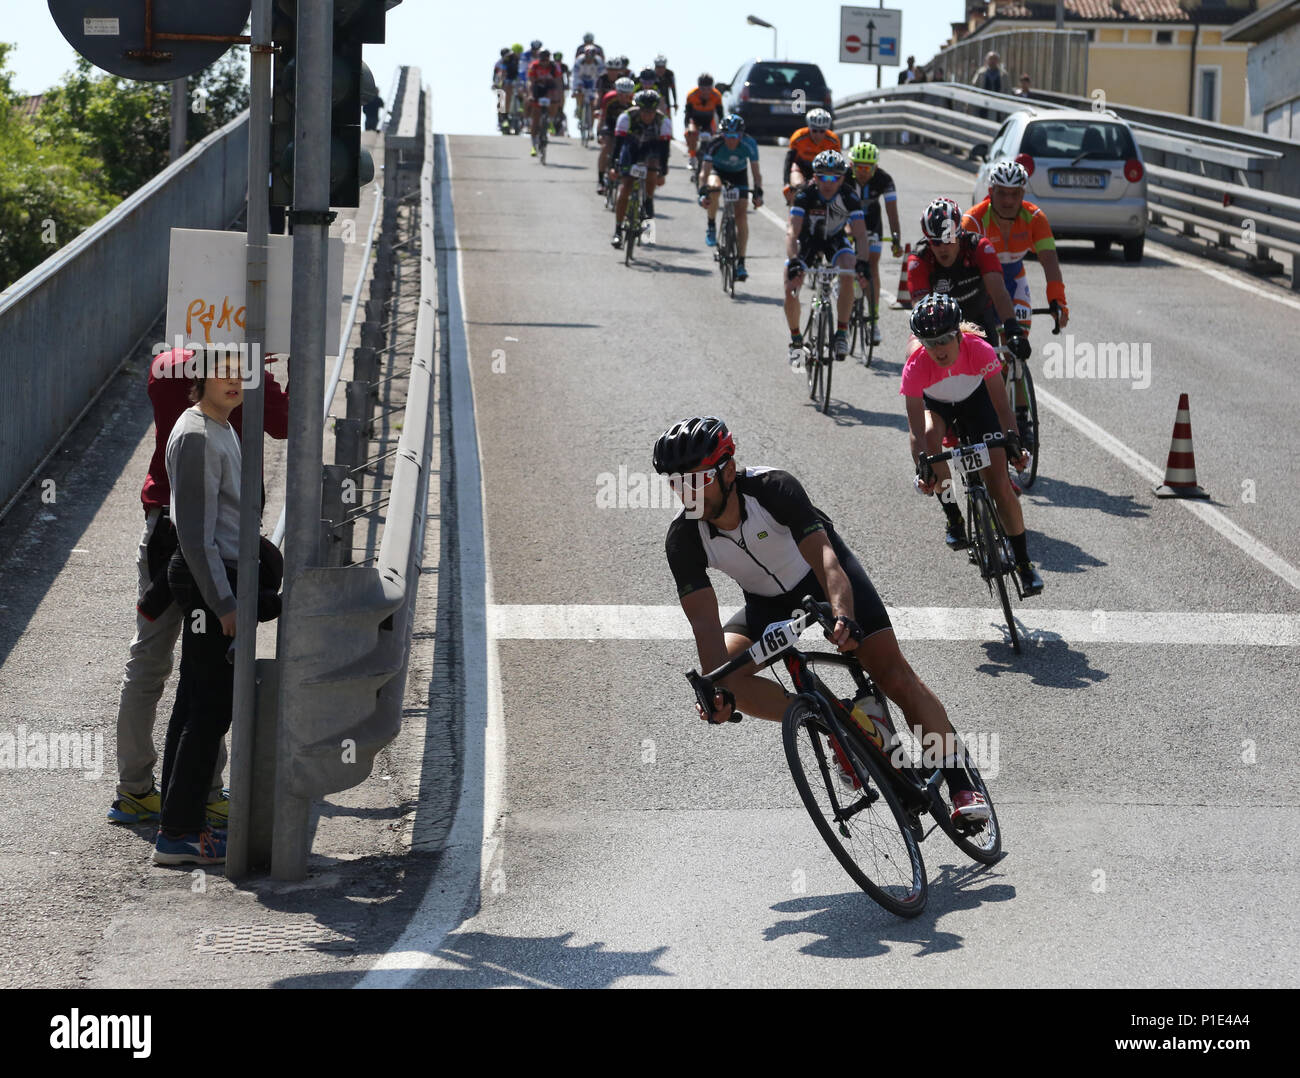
828,246
539,91
734,179
975,416
705,121
760,611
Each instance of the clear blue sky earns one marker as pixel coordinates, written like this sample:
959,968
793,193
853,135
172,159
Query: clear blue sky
455,44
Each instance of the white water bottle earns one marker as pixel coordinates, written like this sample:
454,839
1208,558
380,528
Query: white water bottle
870,717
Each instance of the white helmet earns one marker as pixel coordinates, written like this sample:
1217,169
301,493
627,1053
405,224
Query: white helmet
1008,173
588,38
625,85
819,120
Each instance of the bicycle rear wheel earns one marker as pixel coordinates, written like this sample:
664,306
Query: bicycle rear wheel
859,816
994,561
981,842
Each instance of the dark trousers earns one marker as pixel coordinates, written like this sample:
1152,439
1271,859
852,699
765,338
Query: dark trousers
204,700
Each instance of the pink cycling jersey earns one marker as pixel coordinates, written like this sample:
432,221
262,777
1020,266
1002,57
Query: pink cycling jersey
977,362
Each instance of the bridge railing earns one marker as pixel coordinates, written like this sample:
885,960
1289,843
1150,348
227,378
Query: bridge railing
1240,215
69,325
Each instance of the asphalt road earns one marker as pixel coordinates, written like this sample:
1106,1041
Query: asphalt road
1146,789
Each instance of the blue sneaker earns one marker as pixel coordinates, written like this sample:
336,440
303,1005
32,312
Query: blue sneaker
137,808
208,847
711,235
742,274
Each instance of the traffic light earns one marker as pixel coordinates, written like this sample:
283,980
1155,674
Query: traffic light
356,23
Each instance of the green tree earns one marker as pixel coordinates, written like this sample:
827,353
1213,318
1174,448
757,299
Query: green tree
49,192
126,125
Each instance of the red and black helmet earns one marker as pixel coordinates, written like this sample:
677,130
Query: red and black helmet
698,442
941,221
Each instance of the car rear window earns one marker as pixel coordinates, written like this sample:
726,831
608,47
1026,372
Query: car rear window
778,77
1070,138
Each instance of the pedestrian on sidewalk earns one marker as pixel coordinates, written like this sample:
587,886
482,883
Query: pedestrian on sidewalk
158,624
203,466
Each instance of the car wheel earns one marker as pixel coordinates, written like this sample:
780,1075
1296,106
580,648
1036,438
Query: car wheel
1101,246
1133,248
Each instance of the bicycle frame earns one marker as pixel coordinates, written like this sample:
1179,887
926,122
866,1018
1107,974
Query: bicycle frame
778,642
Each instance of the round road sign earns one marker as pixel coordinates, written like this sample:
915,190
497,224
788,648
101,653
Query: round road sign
853,43
110,34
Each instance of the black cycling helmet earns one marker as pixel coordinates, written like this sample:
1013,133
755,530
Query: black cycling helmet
505,51
704,80
647,99
941,220
935,316
698,442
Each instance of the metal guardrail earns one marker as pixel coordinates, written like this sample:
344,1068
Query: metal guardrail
68,325
354,645
1242,217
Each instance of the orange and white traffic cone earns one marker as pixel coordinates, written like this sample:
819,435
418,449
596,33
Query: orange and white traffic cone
903,298
1180,471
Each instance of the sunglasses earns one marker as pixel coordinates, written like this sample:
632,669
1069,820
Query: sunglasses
937,342
828,177
694,480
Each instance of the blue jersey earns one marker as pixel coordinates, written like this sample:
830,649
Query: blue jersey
726,159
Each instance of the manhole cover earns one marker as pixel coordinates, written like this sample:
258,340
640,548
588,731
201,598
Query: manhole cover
274,939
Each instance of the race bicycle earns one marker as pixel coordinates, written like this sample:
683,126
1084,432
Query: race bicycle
990,549
633,226
866,788
727,252
819,330
586,115
539,136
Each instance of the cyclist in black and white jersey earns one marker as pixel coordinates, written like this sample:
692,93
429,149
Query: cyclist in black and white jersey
760,528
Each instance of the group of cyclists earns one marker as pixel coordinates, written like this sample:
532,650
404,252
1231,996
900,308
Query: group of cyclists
970,296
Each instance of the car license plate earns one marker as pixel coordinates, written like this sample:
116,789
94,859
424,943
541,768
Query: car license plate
1068,178
787,109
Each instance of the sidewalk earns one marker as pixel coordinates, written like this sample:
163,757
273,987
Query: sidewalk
80,902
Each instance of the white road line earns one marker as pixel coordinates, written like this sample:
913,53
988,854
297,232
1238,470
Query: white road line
578,622
462,868
1227,278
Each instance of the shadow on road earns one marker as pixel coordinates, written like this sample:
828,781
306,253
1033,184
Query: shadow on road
484,960
851,925
1045,658
850,415
1075,495
1061,556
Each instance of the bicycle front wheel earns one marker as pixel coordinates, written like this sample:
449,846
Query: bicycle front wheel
814,362
854,807
995,562
826,356
869,328
632,223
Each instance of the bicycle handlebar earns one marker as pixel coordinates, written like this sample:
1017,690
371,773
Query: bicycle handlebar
1055,311
703,684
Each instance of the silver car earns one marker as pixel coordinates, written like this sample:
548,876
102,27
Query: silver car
1085,173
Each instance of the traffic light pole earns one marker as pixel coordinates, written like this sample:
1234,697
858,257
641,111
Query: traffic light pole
310,217
251,442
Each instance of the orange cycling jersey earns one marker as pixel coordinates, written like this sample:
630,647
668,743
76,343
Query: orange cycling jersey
703,101
1028,231
806,144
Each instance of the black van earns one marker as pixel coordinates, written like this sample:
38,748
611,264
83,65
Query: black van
775,96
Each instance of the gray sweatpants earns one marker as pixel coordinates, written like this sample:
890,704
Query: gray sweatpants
147,668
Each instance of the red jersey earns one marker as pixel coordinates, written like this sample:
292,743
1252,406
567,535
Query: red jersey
171,396
963,280
544,73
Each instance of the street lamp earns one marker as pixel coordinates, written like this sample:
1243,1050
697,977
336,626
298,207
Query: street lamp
754,20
